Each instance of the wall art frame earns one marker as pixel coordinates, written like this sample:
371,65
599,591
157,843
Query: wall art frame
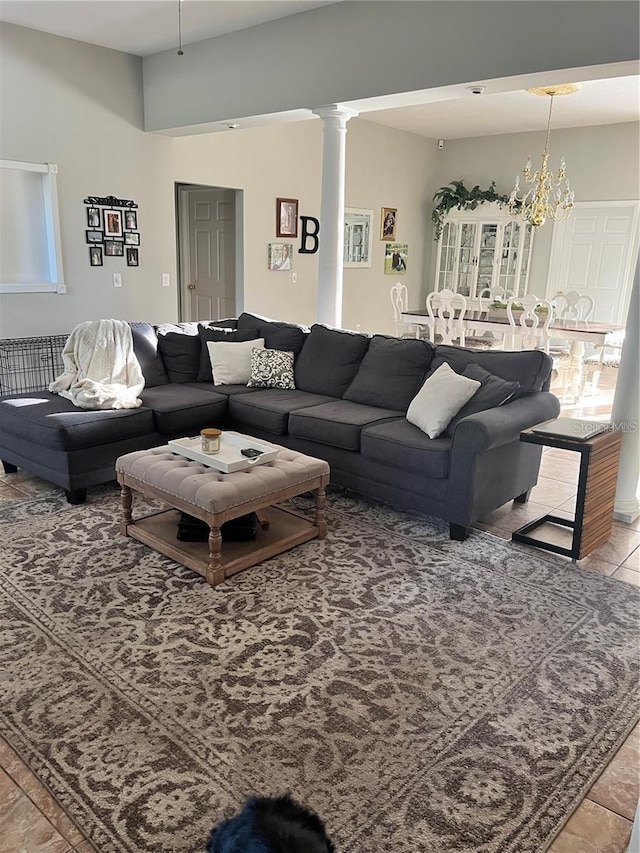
95,256
112,222
358,225
286,217
388,222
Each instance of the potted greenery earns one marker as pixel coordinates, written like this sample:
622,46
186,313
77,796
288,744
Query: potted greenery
455,194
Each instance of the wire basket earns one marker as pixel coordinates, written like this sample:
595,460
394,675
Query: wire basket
30,364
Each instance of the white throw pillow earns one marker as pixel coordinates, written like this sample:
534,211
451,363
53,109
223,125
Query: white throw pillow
441,397
231,360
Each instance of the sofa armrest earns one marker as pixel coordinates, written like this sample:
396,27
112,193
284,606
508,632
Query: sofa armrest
489,464
502,424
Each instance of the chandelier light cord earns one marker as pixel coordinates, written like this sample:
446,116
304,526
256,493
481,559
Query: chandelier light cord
180,50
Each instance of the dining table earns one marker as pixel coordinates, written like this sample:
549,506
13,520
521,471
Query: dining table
579,333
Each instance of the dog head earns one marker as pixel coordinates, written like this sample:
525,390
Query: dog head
271,825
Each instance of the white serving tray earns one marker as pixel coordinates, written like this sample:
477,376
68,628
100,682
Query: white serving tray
229,458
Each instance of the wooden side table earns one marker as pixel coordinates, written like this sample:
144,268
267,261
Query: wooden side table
593,520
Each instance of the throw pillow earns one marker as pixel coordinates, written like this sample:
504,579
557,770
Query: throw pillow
329,360
179,346
493,391
271,368
441,397
217,333
231,361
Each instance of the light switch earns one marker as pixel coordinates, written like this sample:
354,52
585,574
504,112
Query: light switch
294,278
117,279
166,279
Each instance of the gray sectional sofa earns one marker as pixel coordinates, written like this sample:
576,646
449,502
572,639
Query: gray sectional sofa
352,394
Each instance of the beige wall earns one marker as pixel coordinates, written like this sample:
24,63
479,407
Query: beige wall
80,106
602,165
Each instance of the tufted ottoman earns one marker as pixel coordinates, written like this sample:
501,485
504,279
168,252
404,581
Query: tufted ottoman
215,498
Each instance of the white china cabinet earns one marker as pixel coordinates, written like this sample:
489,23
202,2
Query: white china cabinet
483,248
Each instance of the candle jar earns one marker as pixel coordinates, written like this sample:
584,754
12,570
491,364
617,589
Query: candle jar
210,440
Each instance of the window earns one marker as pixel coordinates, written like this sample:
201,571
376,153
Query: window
30,249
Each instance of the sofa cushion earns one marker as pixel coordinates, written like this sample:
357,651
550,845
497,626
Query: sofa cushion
338,423
441,397
145,347
329,360
403,445
51,421
217,333
179,345
288,337
271,368
391,372
492,392
531,368
231,361
269,410
226,390
182,410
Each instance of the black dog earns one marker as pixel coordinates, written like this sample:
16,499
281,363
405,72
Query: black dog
271,825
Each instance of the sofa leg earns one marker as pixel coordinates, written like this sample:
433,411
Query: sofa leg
523,498
9,468
76,496
458,532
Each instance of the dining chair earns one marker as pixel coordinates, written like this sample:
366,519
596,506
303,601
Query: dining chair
400,304
488,340
446,312
571,308
533,322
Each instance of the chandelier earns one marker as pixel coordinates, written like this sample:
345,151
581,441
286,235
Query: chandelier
550,196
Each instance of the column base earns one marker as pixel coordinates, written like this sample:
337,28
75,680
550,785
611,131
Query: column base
626,511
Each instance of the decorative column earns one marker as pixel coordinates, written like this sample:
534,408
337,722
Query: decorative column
626,413
331,249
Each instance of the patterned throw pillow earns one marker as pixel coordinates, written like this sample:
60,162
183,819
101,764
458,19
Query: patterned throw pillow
271,368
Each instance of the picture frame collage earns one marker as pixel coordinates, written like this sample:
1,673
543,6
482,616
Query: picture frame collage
112,231
359,234
280,255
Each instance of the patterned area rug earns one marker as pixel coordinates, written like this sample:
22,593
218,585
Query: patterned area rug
419,694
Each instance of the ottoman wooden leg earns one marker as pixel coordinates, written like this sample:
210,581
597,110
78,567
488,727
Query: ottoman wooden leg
215,573
320,518
126,499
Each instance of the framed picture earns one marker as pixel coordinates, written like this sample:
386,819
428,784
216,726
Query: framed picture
112,220
280,255
358,223
395,258
95,256
93,217
132,257
130,220
113,248
94,236
388,218
131,238
286,217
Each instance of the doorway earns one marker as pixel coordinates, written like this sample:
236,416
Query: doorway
210,252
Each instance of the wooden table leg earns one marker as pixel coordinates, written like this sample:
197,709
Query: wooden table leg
215,573
320,518
126,500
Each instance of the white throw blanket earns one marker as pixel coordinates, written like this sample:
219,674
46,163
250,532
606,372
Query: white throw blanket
101,370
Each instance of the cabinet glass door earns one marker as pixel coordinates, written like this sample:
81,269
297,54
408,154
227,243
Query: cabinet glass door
524,260
508,269
486,256
466,258
446,273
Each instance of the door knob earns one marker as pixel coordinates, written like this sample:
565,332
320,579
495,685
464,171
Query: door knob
191,287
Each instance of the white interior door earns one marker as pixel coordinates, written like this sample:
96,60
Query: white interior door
209,280
595,251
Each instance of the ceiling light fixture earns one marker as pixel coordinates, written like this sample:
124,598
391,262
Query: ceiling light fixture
550,196
180,51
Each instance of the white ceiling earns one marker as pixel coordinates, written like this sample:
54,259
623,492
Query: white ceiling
143,27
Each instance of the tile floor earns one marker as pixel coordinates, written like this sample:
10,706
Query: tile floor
32,822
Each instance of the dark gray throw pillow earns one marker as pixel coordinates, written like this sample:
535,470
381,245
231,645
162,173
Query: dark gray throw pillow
492,392
145,347
179,346
391,372
276,334
208,333
329,360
